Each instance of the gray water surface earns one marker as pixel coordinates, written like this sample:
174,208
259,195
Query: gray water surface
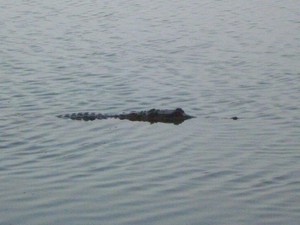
214,59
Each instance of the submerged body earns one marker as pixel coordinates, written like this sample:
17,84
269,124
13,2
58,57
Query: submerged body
175,116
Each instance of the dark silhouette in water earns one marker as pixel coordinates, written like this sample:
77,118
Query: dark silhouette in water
176,116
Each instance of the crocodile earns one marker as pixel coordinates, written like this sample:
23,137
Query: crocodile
175,116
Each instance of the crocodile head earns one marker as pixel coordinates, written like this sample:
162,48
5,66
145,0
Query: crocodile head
176,116
179,113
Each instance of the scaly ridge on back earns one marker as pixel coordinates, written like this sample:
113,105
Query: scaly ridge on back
175,116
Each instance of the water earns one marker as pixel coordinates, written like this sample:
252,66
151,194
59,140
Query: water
214,59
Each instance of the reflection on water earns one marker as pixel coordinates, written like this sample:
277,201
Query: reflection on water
214,59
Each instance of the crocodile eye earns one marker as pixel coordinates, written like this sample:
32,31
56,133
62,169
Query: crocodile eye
179,110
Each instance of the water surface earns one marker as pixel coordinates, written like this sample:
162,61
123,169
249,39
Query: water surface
214,59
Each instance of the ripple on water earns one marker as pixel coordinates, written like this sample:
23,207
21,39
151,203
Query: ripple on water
110,57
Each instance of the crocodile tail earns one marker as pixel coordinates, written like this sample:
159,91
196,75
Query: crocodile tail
63,116
84,116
